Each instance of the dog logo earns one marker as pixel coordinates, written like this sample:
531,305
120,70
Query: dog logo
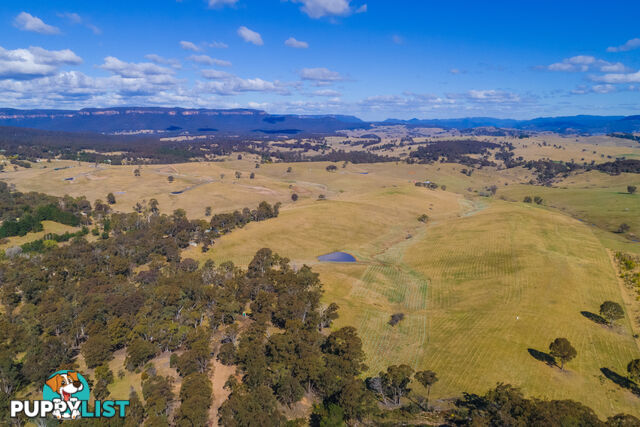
69,387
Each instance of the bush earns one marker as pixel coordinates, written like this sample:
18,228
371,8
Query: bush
227,354
396,318
294,197
139,352
527,199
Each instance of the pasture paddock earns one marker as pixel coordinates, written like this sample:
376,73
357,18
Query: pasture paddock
480,284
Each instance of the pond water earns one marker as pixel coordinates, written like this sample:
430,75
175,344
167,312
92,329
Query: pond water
337,257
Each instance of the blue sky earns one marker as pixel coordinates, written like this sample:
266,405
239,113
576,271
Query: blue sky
373,59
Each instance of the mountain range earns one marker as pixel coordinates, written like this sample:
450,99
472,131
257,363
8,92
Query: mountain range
132,120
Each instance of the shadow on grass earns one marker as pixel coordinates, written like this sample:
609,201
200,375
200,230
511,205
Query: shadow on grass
542,356
594,317
623,382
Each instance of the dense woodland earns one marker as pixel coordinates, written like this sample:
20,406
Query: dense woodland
129,288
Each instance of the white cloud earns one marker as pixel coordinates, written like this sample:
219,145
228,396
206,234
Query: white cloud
34,62
319,8
217,45
74,18
250,36
221,3
607,88
320,74
492,96
134,70
27,22
629,45
161,60
206,59
616,78
583,63
292,42
327,92
215,74
223,83
186,45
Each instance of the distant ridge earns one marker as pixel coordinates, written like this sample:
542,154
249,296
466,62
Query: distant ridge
249,121
176,120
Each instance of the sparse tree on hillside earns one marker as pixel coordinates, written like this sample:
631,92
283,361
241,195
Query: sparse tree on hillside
239,156
562,349
294,197
170,178
427,379
111,199
527,199
289,169
331,168
154,206
395,381
537,200
252,176
238,174
631,189
611,311
221,176
136,172
423,218
633,368
623,228
207,211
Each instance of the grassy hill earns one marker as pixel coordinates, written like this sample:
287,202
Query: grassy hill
483,286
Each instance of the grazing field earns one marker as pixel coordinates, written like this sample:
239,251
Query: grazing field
484,286
592,197
48,227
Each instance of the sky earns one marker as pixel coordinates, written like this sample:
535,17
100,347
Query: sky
370,58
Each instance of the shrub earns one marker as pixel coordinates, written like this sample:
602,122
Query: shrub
396,318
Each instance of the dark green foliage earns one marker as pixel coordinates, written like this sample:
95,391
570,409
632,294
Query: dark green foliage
633,368
506,406
611,311
195,398
224,223
631,189
139,351
527,199
23,212
396,318
227,354
111,199
623,228
135,410
158,394
103,377
97,350
562,349
257,407
427,379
